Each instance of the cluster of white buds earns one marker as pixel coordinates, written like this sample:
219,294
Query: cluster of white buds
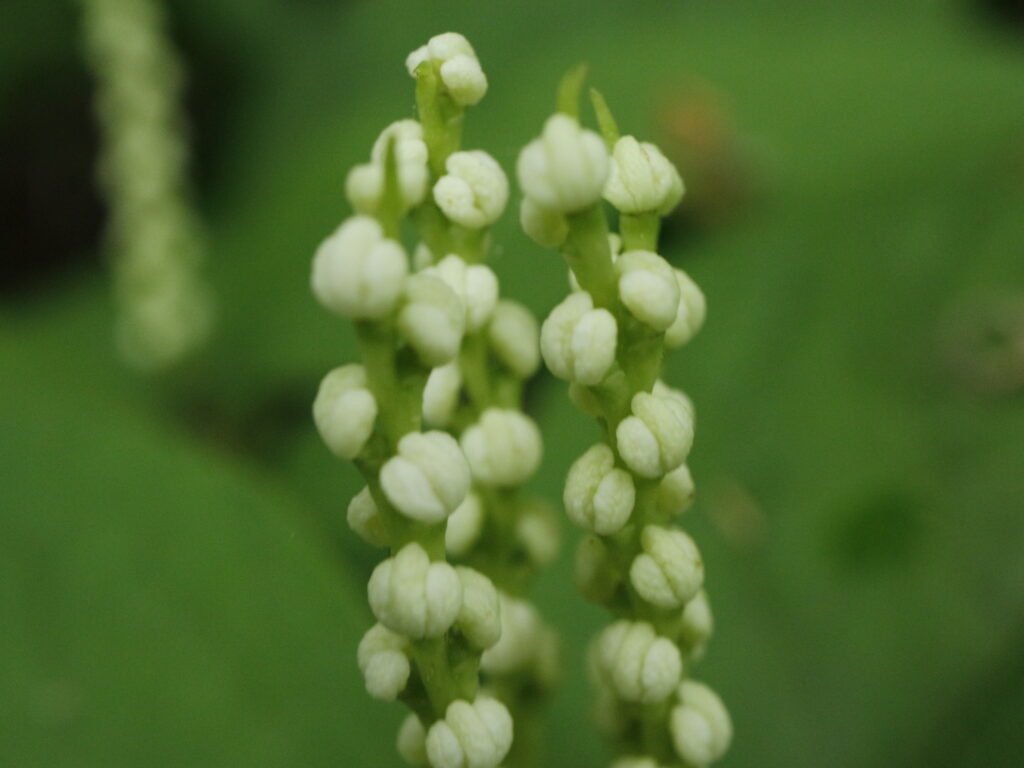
164,304
439,348
457,64
474,191
365,183
607,339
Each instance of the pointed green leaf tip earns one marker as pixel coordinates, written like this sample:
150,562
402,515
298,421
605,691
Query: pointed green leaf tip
609,128
569,90
390,211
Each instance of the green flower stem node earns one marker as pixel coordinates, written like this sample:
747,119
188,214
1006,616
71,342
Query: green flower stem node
440,117
640,231
590,256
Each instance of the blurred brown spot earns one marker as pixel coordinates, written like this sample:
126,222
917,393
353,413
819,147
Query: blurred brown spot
698,131
981,343
736,514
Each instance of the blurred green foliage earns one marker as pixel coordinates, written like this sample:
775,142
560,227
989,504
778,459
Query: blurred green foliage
177,586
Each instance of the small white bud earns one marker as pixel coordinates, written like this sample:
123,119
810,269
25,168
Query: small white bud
503,448
364,185
474,190
669,571
464,79
642,179
458,65
578,341
598,495
700,725
364,519
422,257
690,317
544,226
697,625
634,761
357,272
656,438
595,574
413,596
476,735
464,526
565,169
676,491
648,288
479,617
428,478
383,662
441,394
515,338
432,319
412,741
345,411
538,533
638,664
475,285
521,627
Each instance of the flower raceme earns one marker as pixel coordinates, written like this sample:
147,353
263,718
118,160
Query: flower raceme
460,646
607,339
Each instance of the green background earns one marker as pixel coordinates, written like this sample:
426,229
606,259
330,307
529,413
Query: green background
177,584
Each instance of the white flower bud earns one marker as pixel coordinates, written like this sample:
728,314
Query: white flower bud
364,185
464,526
578,341
412,741
345,411
595,574
364,519
357,272
383,662
598,495
648,288
479,617
515,338
432,319
634,761
676,491
475,285
544,226
700,726
697,625
413,596
503,448
474,190
458,65
656,438
669,571
476,735
690,316
422,257
428,478
642,179
441,394
566,168
521,627
638,664
538,533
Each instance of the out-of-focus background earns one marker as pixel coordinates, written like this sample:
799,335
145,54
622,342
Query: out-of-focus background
177,584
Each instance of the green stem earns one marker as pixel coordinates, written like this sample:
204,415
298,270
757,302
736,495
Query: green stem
639,231
397,410
590,256
440,117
